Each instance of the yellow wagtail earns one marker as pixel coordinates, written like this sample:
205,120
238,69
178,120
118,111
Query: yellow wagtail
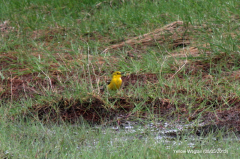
116,81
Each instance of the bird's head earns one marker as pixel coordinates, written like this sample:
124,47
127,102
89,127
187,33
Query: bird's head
116,74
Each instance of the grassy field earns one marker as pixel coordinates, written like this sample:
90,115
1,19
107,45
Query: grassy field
180,62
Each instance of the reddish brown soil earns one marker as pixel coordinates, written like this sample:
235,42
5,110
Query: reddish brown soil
95,109
140,79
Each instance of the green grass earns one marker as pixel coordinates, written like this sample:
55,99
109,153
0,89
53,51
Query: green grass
26,139
52,55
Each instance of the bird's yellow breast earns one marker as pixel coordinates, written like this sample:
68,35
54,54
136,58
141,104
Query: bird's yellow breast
116,81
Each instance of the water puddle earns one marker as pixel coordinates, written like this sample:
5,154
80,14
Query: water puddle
169,134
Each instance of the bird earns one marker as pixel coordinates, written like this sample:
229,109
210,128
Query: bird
116,81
